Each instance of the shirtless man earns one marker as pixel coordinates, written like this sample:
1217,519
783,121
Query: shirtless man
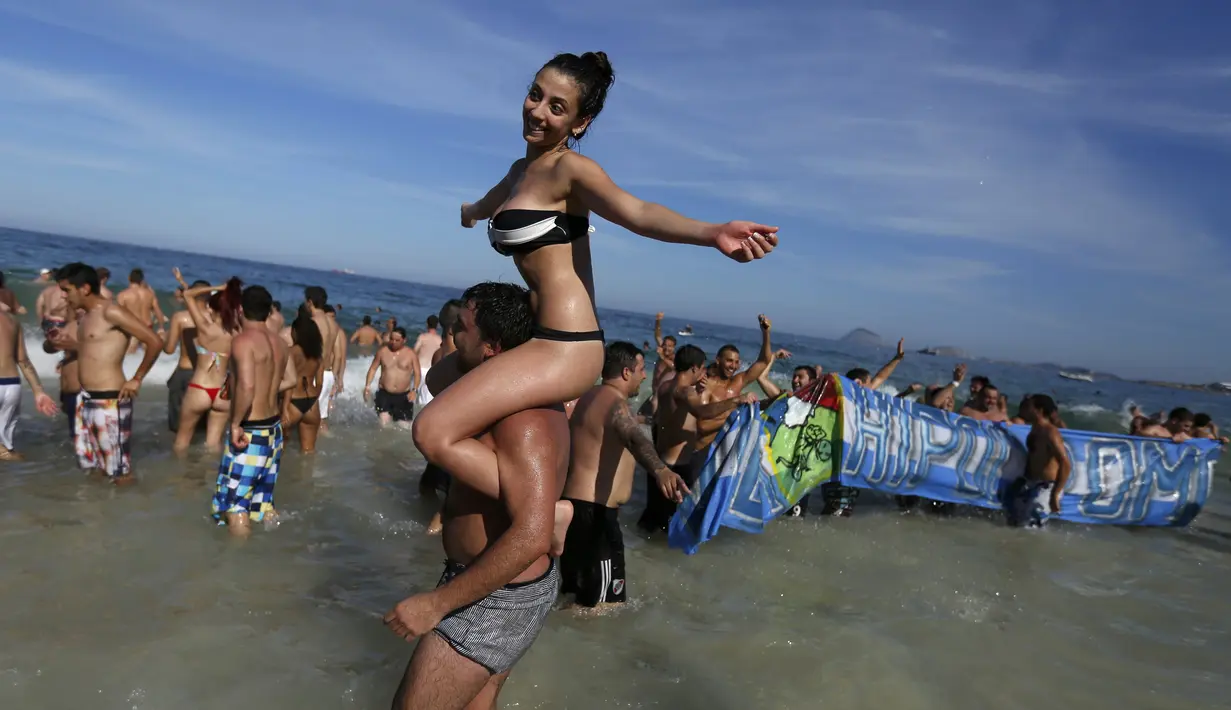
183,336
682,402
276,321
105,408
664,369
399,380
248,471
316,299
426,345
1031,499
8,299
727,383
365,335
977,383
986,406
606,441
435,478
13,358
1178,426
500,580
139,300
70,380
104,274
51,309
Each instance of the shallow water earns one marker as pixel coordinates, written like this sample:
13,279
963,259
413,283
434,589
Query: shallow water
132,598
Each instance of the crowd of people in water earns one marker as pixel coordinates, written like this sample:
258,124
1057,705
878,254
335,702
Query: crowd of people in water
535,458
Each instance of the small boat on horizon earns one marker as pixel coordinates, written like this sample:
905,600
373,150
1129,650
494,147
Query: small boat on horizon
1079,376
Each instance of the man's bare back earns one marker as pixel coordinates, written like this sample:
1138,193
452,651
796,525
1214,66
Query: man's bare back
426,346
259,357
51,304
365,336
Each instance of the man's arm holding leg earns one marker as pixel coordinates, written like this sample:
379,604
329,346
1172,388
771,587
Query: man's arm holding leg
527,453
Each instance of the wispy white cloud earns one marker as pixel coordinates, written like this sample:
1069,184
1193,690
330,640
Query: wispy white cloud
64,158
101,108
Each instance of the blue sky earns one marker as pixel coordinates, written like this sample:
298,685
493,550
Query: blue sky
1034,180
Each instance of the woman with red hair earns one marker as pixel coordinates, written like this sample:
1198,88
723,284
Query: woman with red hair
215,310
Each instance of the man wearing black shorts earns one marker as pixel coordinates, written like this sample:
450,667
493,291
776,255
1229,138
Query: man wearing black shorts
607,440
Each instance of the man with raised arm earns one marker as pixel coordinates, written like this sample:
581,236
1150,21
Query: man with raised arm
726,382
683,401
500,578
103,438
249,469
606,441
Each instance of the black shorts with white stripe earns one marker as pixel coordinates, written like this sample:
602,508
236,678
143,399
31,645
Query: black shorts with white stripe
592,566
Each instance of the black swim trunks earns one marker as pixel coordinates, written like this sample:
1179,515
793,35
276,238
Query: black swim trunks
400,407
658,509
434,478
592,565
177,387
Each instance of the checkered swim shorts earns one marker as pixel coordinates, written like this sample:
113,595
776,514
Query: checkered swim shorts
497,630
246,478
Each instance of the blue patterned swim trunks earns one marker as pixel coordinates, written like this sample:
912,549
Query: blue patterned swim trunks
246,478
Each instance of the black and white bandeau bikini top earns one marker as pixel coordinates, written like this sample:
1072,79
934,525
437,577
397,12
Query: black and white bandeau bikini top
522,231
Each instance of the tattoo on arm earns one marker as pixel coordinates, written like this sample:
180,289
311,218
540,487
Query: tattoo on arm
640,445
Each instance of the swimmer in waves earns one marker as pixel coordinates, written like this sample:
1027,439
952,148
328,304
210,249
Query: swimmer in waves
539,215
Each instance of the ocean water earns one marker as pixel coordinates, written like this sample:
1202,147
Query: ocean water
133,599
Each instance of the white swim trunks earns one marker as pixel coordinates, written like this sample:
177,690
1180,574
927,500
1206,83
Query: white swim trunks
423,396
326,393
10,409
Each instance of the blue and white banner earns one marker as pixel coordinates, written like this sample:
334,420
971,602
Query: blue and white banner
896,446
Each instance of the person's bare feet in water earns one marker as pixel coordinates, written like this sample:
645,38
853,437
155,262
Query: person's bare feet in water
564,516
434,526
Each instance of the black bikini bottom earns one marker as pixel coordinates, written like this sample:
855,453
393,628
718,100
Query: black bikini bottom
564,336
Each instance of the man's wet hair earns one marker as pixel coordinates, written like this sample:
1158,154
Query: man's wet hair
316,296
103,273
1044,405
136,276
77,275
980,380
858,374
329,309
367,320
1201,420
728,348
449,313
277,306
502,312
671,338
1180,414
256,302
808,369
399,331
432,322
688,357
620,355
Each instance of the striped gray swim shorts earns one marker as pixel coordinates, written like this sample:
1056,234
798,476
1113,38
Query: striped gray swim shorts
496,631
